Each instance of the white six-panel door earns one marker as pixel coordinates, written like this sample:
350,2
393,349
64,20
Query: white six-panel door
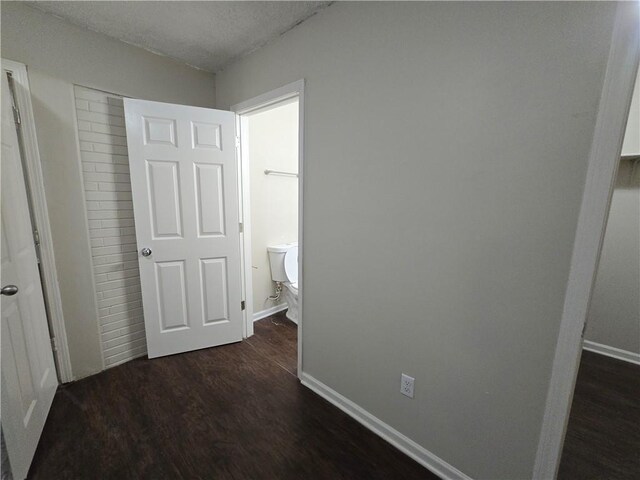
184,184
28,372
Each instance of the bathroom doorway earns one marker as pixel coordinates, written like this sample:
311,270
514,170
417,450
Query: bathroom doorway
271,146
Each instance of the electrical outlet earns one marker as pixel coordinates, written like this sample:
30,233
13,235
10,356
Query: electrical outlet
406,385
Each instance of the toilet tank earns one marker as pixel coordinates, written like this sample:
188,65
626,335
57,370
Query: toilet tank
277,254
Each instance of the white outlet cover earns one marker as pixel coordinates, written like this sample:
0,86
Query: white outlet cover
406,385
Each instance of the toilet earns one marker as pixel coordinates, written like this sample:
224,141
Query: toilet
284,269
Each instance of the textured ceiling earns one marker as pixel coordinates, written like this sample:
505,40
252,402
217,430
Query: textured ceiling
206,35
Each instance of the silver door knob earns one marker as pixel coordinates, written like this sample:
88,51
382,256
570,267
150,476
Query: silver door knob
9,290
145,252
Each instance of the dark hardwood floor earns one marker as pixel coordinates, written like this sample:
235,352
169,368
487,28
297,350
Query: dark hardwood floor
232,412
238,412
276,338
603,436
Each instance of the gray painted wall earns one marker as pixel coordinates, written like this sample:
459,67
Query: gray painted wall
614,315
58,55
446,153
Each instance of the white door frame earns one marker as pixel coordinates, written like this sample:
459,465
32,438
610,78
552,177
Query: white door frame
294,89
604,157
35,182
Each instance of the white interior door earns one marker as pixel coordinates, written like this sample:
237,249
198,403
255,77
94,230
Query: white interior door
28,372
185,201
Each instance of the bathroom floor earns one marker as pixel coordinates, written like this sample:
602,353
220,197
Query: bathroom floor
232,412
603,437
276,337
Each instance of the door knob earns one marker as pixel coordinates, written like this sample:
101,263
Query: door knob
9,290
145,252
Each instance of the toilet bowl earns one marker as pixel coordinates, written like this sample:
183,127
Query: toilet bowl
290,294
284,269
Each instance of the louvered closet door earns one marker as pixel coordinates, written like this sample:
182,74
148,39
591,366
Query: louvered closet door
185,201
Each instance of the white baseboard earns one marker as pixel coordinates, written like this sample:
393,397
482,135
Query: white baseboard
377,426
269,311
613,352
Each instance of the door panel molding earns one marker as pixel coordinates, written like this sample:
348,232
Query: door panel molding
184,184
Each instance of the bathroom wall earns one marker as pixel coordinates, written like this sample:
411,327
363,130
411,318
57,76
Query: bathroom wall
58,56
446,148
614,315
273,145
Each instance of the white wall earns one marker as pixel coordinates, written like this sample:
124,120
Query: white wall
614,315
59,55
446,150
112,233
273,145
631,145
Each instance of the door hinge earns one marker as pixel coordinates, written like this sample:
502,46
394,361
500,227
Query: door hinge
14,104
36,242
241,227
242,305
237,142
16,115
54,344
584,329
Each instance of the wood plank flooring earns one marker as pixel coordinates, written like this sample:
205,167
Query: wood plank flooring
276,338
603,436
238,412
232,412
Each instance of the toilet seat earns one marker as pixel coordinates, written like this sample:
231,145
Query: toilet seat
291,265
283,260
